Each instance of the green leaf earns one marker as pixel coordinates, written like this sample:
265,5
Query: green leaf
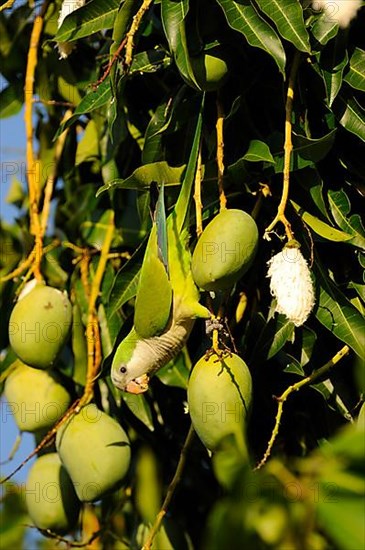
274,335
16,194
343,519
93,100
142,177
348,447
293,366
360,289
176,372
258,151
126,281
331,395
284,331
96,15
306,151
333,60
11,100
337,314
313,149
94,232
312,182
88,146
340,208
324,29
351,116
321,228
309,339
167,117
355,76
288,18
139,406
109,328
173,14
242,16
150,61
79,346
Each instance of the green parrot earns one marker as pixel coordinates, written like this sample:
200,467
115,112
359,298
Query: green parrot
167,300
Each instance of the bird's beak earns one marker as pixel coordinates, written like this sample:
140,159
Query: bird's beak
138,385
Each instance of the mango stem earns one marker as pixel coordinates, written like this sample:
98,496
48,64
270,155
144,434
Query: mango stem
296,387
288,148
171,489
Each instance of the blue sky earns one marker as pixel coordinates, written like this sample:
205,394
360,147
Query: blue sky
12,150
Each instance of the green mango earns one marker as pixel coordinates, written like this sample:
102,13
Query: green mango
219,399
39,325
95,451
35,398
210,69
50,496
225,250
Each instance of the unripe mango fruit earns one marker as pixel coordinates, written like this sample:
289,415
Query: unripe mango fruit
225,250
219,398
39,325
35,397
210,69
50,496
95,451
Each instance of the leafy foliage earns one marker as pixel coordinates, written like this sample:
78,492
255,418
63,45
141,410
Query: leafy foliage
130,130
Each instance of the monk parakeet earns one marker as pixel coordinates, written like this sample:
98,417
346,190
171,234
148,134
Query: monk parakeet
167,300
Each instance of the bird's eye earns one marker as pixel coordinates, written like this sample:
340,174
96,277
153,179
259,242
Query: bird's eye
122,370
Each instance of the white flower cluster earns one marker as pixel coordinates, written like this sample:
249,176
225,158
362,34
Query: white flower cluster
68,6
291,284
338,11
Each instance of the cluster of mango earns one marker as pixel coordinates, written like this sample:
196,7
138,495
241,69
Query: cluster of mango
92,453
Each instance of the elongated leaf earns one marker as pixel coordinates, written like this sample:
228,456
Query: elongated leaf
351,116
275,333
292,365
324,29
173,14
331,395
142,177
139,406
258,151
94,232
88,146
340,208
150,61
313,183
95,16
176,372
284,331
306,151
288,18
168,115
313,149
11,100
309,338
321,228
79,346
337,314
93,100
109,328
333,61
356,74
343,518
242,16
126,283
